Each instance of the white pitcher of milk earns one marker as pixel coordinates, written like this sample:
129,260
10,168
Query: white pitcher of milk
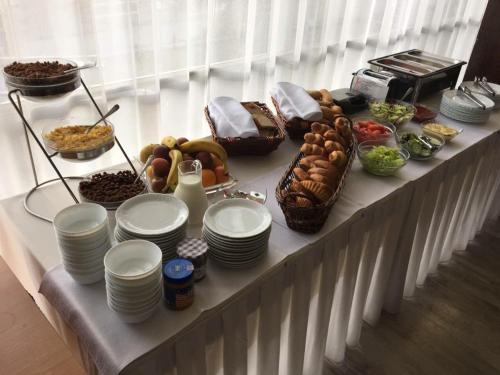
190,190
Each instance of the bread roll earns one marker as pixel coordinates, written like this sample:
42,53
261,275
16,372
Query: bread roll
303,202
300,174
312,138
315,94
306,164
319,178
327,113
313,158
320,190
333,146
336,109
326,96
338,158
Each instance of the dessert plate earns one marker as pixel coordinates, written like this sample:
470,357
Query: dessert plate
237,218
152,214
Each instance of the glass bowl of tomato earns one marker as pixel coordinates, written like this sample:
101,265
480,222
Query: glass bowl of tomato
366,129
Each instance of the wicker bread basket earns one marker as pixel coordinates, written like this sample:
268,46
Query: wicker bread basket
296,127
262,145
309,219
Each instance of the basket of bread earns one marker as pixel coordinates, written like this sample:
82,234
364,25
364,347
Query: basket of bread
297,126
268,138
313,181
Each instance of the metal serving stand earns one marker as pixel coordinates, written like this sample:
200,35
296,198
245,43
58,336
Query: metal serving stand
15,99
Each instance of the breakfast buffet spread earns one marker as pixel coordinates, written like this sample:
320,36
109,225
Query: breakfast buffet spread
148,254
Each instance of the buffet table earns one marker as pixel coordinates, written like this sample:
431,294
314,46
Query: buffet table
308,298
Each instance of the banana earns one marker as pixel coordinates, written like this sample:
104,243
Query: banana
176,157
169,141
198,145
146,152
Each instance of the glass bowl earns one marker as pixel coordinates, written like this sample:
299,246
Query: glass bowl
381,158
111,201
394,112
447,137
54,86
362,137
435,140
73,145
424,113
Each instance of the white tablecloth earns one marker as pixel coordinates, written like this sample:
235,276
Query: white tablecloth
308,299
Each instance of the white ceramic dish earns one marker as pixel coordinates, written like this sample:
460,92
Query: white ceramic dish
133,259
237,218
135,318
80,219
87,278
152,214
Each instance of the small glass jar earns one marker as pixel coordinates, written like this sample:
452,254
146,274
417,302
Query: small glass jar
194,250
178,283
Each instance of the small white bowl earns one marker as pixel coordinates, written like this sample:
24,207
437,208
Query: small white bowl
87,278
79,220
135,318
132,260
136,285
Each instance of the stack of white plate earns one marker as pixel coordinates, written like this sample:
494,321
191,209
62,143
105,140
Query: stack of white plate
83,235
159,218
476,89
237,232
457,106
133,279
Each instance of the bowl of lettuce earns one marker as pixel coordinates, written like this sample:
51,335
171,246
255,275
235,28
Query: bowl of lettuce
381,159
395,112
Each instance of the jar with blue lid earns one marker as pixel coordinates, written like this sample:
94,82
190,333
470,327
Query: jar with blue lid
178,283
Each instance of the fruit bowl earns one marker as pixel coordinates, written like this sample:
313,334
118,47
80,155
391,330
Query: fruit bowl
381,158
394,112
162,174
366,129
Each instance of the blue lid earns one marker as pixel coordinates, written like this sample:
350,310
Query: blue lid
178,271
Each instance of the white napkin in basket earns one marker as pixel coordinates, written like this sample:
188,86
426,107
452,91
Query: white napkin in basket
231,119
294,101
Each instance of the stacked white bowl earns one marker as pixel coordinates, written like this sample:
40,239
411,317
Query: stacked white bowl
133,279
83,235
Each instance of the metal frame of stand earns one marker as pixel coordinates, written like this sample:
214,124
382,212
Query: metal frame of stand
27,128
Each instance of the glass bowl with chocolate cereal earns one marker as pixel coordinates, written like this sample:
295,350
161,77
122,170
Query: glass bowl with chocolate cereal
42,77
72,141
110,188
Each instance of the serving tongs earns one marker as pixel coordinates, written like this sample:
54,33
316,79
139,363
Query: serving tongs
469,95
483,83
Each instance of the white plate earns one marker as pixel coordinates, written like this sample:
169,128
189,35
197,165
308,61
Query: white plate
245,264
237,218
456,100
152,214
236,241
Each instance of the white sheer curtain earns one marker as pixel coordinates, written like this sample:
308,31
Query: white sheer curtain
162,60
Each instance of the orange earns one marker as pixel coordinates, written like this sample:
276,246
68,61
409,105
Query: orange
221,174
208,177
217,161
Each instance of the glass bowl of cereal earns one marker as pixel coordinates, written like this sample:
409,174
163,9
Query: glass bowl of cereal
72,141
